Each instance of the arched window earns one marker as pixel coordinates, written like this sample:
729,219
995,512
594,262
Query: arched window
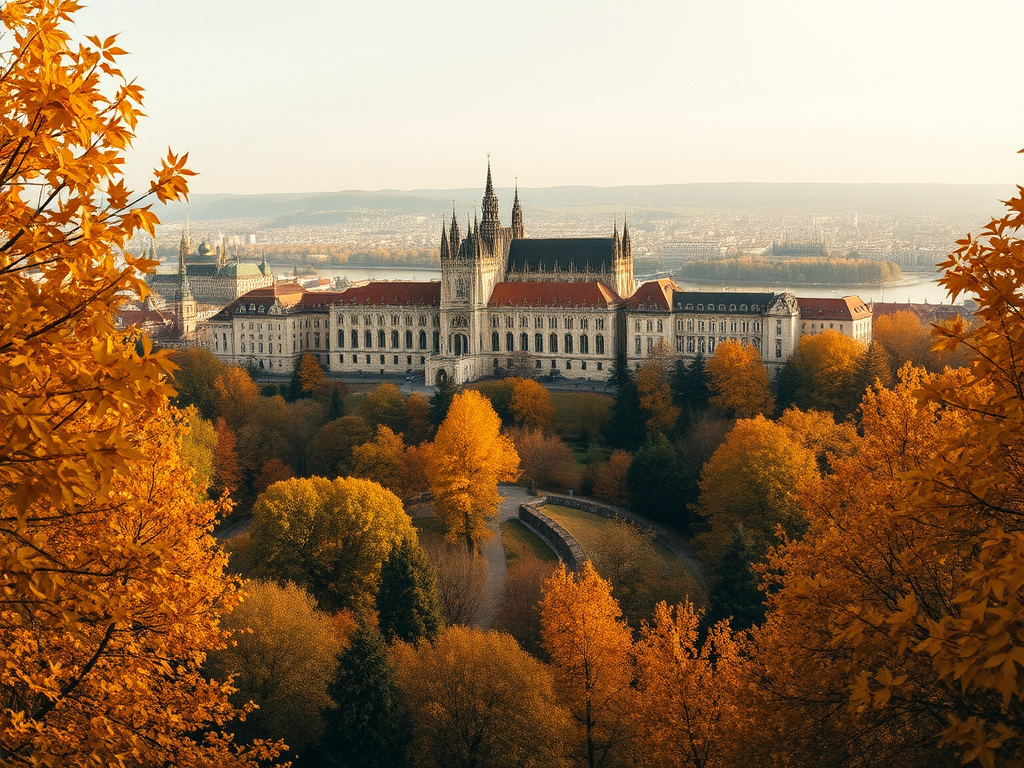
510,342
355,339
341,339
553,343
584,344
460,321
368,338
423,339
599,344
437,342
524,342
408,338
382,339
394,339
538,342
568,343
495,342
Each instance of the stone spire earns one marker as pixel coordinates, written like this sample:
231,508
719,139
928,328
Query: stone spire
454,237
517,215
489,224
626,249
445,252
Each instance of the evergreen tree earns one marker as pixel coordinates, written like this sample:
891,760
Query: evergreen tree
370,724
620,373
874,365
336,407
627,427
407,602
295,385
654,483
690,389
441,400
735,592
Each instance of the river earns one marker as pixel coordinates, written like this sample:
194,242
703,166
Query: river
916,290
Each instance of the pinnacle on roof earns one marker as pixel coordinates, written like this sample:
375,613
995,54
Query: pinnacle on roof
489,190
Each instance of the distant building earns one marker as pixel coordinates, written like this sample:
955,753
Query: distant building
214,279
689,251
849,316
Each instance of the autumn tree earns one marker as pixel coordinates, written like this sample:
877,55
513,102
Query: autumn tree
109,568
610,479
308,378
382,460
407,603
479,701
626,557
461,581
905,339
739,381
821,374
546,462
226,474
499,394
330,451
519,614
417,419
237,396
385,405
753,479
328,536
368,723
468,460
652,384
282,656
590,649
689,692
531,406
193,380
198,446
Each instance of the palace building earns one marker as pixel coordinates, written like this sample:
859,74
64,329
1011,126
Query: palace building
553,304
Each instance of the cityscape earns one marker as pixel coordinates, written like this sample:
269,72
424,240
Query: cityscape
421,385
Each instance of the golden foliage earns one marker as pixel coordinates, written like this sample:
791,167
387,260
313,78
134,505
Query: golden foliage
282,656
330,536
311,375
479,701
98,601
382,461
531,406
690,693
753,480
111,583
739,381
468,459
591,655
656,396
547,462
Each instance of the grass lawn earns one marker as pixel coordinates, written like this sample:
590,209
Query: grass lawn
588,530
581,416
519,541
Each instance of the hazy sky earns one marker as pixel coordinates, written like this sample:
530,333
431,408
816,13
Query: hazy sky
323,95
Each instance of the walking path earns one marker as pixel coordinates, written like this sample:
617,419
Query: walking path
493,552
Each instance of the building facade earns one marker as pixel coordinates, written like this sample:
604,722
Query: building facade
849,316
503,301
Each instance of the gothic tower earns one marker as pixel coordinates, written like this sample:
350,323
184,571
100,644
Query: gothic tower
184,302
624,285
517,216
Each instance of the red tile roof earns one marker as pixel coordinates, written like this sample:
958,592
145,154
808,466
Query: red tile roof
389,293
592,294
287,294
653,295
846,308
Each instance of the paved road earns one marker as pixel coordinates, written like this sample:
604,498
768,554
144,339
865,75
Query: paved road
494,553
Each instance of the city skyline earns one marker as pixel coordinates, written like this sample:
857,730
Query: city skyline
405,95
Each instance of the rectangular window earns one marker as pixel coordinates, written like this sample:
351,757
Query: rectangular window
778,348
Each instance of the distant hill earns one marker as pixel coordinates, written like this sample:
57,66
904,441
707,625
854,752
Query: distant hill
335,207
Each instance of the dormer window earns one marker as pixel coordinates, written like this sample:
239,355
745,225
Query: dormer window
743,307
252,307
241,309
262,309
732,307
689,306
721,307
700,307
